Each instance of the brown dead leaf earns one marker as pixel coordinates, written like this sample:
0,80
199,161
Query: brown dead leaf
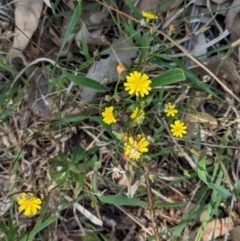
107,68
27,15
216,228
126,179
98,17
227,71
37,100
219,1
232,13
150,5
199,48
201,117
172,17
235,233
70,4
215,7
143,5
94,35
4,205
92,38
235,29
200,3
94,219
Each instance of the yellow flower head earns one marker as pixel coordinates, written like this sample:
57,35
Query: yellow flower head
108,116
170,110
149,15
178,128
29,204
120,68
137,83
137,115
133,148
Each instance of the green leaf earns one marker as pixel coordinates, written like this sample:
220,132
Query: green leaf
4,228
186,173
237,186
220,189
86,82
199,84
168,77
78,119
122,200
79,153
119,135
89,237
6,67
74,19
202,170
70,203
40,227
133,9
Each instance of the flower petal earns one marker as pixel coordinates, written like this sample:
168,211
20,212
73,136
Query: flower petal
137,84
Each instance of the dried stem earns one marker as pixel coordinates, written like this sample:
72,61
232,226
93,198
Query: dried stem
151,207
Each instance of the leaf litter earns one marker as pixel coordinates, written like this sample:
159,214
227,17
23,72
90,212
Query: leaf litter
29,143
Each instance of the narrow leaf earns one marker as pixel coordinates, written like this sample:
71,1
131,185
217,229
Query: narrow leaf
202,170
86,82
74,19
168,77
199,84
78,119
40,227
220,189
118,200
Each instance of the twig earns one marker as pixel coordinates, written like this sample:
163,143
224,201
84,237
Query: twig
135,219
151,208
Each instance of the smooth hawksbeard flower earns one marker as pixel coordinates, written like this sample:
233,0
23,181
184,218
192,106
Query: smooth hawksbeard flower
133,148
29,204
149,15
137,83
108,116
178,128
137,115
170,110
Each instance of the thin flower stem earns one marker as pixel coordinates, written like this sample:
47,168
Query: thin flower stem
151,208
135,219
116,86
188,158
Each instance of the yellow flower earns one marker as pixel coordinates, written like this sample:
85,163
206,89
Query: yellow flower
137,115
134,148
108,116
138,83
170,110
178,128
29,204
149,15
